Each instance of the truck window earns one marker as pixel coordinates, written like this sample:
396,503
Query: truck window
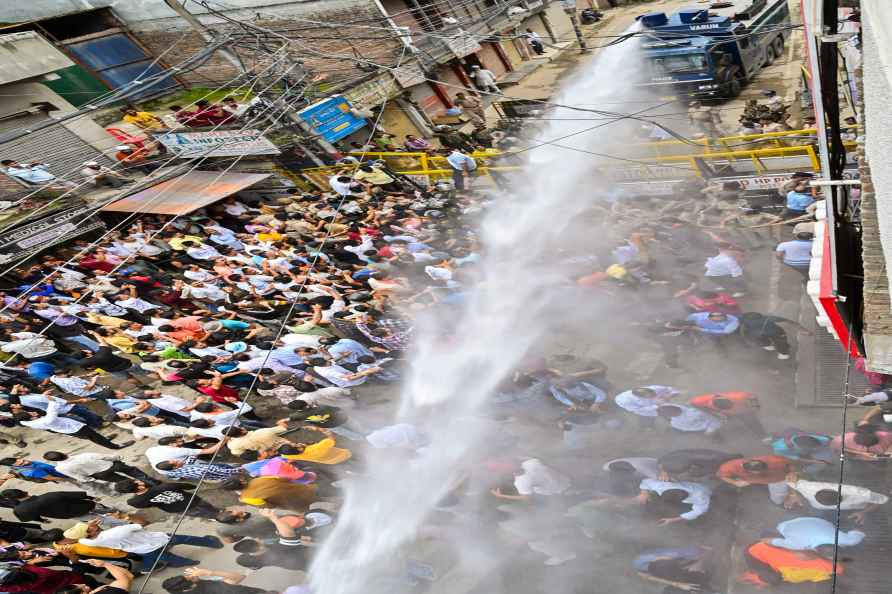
679,63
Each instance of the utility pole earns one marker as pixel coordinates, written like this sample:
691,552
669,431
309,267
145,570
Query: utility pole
289,111
205,33
570,9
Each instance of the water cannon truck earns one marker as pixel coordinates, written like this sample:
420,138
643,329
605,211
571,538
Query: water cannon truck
712,52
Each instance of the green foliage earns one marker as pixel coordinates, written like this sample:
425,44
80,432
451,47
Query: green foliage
192,95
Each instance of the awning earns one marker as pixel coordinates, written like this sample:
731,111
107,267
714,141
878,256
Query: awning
186,193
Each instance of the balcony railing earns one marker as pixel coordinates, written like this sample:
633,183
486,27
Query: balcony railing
452,41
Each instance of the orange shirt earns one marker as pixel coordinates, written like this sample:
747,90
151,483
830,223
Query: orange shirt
777,471
795,567
189,323
741,403
138,155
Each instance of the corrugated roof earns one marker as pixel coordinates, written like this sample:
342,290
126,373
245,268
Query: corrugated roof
186,193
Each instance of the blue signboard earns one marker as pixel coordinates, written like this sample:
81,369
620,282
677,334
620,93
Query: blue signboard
332,118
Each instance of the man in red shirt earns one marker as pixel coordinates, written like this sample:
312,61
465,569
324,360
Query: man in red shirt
733,407
758,470
772,471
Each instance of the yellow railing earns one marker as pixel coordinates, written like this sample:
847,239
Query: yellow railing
753,147
754,155
787,138
433,166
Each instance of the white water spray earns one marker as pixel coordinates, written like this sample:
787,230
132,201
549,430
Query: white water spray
395,512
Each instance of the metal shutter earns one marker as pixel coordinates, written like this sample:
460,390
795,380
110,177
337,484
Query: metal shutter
58,146
821,374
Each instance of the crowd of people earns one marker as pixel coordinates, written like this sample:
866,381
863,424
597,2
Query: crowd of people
171,331
794,467
245,342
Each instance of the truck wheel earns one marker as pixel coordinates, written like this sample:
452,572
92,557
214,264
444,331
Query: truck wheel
779,46
733,87
769,55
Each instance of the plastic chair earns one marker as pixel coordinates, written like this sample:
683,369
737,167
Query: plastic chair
124,137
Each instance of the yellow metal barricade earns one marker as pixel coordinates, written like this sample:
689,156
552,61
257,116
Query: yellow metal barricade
752,147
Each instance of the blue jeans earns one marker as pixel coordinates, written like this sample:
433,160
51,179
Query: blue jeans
86,415
84,341
172,560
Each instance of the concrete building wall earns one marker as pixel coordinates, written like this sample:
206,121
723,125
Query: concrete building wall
132,11
164,33
26,54
877,68
322,48
21,96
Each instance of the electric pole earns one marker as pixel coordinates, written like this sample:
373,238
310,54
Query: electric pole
205,33
570,9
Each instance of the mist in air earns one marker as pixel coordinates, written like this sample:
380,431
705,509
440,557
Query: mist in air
424,519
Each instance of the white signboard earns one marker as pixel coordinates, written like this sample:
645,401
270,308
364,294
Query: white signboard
656,188
621,174
222,143
765,182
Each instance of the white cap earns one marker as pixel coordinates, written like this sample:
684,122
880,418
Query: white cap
91,163
124,147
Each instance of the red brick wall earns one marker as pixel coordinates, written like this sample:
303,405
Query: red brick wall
375,45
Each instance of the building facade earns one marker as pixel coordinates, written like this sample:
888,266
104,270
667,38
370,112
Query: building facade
29,65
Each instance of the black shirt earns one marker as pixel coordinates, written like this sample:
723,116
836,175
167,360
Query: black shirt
15,531
694,462
286,556
105,359
214,587
169,497
57,504
110,590
330,416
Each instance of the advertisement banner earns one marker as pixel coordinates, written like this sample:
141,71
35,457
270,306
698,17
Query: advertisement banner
48,231
221,143
332,118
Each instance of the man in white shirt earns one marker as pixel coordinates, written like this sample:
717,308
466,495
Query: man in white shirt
76,386
825,496
88,467
535,42
136,304
204,292
645,401
339,376
166,402
689,419
485,79
164,453
698,497
462,165
52,421
150,545
31,173
341,184
153,428
30,345
536,479
724,272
